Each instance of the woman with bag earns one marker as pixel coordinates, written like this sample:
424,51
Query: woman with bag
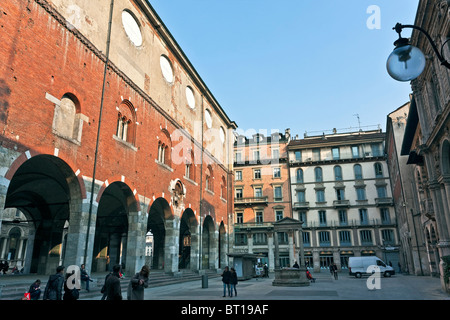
137,284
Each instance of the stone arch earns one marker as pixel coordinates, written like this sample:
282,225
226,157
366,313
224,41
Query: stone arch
48,193
162,226
117,230
223,245
189,241
209,244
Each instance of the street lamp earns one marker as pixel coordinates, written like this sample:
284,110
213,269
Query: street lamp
407,62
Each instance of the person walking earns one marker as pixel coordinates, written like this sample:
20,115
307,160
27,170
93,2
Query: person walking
85,277
226,275
112,285
266,271
103,290
53,289
233,282
334,272
137,284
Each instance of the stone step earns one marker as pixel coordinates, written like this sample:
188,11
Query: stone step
14,287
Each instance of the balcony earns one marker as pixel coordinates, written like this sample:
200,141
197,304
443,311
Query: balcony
251,226
251,201
384,202
341,203
301,206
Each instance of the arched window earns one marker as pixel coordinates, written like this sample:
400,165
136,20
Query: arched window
318,174
67,118
337,173
223,188
164,148
378,170
190,167
358,171
126,122
299,176
209,179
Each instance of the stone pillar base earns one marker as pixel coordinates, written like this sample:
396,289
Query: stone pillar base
291,277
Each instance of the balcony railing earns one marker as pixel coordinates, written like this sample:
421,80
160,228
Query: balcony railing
251,225
341,203
251,201
351,223
301,205
384,201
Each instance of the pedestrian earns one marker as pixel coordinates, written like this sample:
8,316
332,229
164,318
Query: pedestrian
71,293
112,285
266,271
5,267
54,287
137,284
335,274
296,265
233,282
85,277
226,275
35,290
103,290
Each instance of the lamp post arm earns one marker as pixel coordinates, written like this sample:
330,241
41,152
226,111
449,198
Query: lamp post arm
399,27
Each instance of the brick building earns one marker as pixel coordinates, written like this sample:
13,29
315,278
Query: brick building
262,197
108,134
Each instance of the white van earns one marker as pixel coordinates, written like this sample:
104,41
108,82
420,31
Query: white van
357,266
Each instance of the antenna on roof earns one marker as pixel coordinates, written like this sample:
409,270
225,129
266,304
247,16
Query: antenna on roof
359,122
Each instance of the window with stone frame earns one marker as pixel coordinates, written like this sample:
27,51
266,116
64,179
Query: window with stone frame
67,117
126,122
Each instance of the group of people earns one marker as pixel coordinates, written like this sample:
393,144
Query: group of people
58,287
230,280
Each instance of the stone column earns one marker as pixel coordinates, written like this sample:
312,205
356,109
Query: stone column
277,250
291,248
446,199
444,239
171,243
271,253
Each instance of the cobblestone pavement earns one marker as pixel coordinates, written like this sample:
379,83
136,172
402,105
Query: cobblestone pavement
397,287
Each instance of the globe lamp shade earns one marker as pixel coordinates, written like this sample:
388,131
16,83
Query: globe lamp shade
405,63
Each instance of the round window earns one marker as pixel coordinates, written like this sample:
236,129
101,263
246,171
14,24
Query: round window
208,118
131,28
166,68
190,97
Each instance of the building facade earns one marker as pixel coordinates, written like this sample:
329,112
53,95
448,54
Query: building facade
414,255
341,192
262,197
108,134
427,140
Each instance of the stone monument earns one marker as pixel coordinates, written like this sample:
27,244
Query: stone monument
289,277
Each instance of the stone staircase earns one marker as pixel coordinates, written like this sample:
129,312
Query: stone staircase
14,287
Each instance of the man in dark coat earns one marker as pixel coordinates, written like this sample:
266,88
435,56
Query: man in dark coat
53,289
226,277
112,285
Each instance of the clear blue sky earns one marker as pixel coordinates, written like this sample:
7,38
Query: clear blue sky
306,65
